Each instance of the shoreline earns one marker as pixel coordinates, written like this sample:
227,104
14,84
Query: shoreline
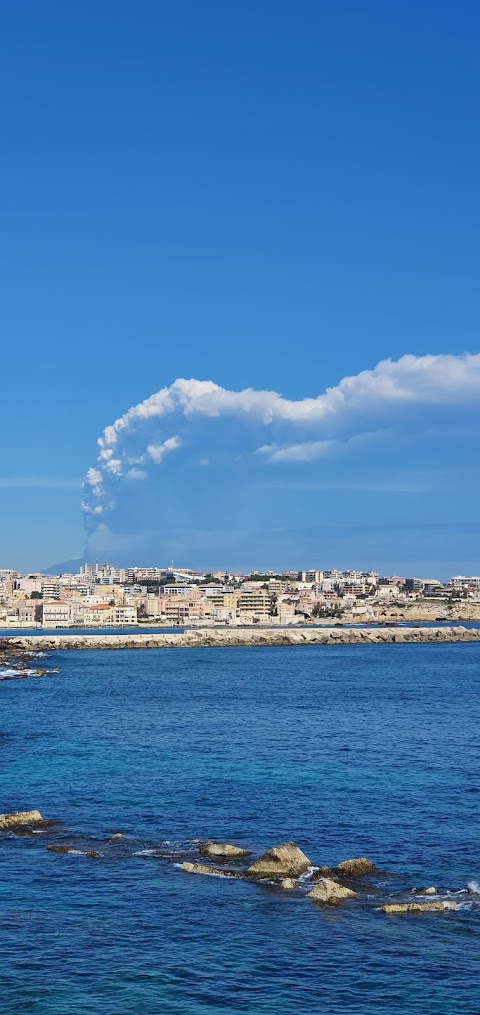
226,637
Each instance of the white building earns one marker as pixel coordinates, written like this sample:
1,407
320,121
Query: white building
125,615
56,614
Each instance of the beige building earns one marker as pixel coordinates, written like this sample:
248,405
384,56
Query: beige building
254,606
102,613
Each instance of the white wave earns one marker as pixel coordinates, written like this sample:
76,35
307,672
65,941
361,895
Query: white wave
17,672
474,887
308,873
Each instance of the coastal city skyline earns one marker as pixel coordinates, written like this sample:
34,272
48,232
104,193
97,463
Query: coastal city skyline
100,594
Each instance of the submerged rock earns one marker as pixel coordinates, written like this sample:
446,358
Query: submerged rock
354,868
330,892
222,850
202,868
420,907
284,861
19,818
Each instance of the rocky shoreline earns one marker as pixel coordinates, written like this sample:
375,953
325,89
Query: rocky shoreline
225,637
17,661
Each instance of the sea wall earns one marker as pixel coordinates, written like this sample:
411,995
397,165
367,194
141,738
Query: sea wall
251,637
423,610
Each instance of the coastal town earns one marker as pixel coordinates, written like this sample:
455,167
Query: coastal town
102,595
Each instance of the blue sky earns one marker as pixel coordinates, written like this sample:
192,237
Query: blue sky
262,195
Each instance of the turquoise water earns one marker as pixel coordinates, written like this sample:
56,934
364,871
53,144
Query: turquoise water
347,750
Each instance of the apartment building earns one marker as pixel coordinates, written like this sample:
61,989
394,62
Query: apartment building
254,605
180,609
56,614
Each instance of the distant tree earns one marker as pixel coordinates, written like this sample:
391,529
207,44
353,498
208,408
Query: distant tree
36,595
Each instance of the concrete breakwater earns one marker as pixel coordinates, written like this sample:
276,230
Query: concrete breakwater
254,637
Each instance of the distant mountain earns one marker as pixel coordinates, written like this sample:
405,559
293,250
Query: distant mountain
66,566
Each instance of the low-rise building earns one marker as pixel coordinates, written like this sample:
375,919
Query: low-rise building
125,614
101,613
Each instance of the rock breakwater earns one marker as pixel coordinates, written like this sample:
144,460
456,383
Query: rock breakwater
226,637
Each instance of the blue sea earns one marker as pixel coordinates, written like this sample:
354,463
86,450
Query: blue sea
349,751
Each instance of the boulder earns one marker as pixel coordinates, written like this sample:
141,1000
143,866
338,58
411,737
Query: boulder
116,837
284,861
427,891
222,850
19,818
60,849
330,892
202,868
92,854
354,868
322,872
420,907
288,884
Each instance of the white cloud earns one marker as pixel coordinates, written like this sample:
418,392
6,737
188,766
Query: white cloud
358,408
309,451
136,474
93,477
92,509
421,380
158,451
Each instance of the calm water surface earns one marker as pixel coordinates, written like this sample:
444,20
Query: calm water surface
347,750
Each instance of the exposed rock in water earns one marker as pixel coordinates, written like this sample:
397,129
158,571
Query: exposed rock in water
426,891
222,850
284,861
116,837
420,907
19,818
60,849
354,868
288,884
92,854
202,868
322,872
330,892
